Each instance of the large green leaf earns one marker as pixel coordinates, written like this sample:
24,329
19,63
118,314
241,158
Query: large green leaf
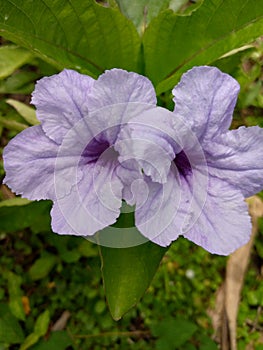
173,44
127,273
76,34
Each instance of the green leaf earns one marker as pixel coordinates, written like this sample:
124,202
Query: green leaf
11,58
15,295
58,340
10,330
19,83
30,340
87,249
28,113
174,44
35,215
207,343
14,202
172,333
14,283
82,35
231,64
16,307
12,124
141,12
127,273
40,330
42,266
70,256
42,323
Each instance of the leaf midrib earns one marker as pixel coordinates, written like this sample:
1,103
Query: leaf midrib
18,33
221,38
29,35
34,36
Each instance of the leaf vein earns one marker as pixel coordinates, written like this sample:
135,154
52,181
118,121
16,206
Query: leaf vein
197,53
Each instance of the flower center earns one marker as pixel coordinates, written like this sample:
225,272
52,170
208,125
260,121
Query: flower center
183,164
94,150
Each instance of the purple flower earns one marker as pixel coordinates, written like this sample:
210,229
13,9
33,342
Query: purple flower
70,157
103,141
196,171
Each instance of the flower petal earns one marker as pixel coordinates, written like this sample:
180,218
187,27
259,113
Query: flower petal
224,224
61,100
86,141
131,177
117,86
108,121
29,161
170,209
156,139
206,98
159,214
237,157
94,203
153,154
153,138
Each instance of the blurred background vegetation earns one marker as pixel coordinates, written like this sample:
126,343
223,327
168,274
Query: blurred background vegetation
51,292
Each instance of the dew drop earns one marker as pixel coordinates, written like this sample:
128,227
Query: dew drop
6,17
